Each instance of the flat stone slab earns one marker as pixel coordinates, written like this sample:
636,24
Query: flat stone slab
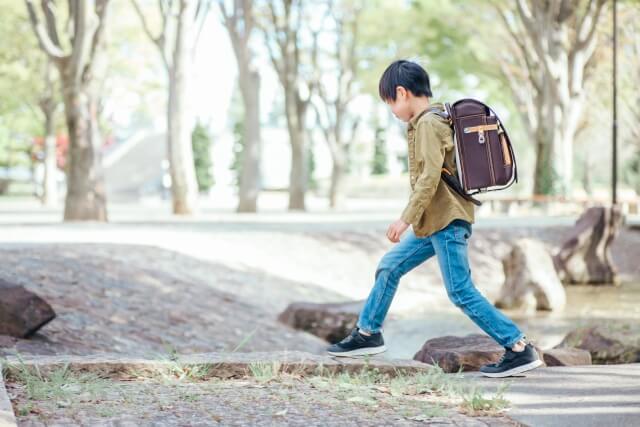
585,396
7,418
220,365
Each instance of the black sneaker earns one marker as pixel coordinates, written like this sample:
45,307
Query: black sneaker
513,362
357,344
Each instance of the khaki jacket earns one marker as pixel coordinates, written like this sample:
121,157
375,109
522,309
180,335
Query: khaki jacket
433,204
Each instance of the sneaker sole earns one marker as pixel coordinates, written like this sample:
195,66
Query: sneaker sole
360,351
514,371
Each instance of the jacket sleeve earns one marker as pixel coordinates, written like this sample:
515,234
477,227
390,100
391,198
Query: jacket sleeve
431,151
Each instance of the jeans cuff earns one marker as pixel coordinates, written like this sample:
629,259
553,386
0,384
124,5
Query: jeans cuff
369,331
521,337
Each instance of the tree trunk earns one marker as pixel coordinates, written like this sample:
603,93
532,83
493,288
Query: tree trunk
48,107
86,199
250,178
184,186
50,189
336,190
298,177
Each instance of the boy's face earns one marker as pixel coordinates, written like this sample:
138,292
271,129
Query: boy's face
401,107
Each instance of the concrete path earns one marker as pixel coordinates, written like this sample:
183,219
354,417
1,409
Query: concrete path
584,396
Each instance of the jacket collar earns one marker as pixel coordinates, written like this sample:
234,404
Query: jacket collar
414,120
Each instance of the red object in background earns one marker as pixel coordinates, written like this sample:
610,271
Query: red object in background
62,147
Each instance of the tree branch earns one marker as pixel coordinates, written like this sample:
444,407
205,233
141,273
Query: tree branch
98,35
45,42
50,19
81,42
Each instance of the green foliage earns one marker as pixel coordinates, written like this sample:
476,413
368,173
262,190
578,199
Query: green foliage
201,143
311,166
236,119
14,148
379,166
631,171
427,31
22,84
238,149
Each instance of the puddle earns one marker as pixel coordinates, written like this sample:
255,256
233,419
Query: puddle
585,304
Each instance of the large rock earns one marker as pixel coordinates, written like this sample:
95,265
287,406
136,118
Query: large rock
585,257
451,352
531,281
566,357
608,343
22,312
330,321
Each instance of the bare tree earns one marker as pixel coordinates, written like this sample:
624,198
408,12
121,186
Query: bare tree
553,43
84,30
283,30
240,25
176,42
338,128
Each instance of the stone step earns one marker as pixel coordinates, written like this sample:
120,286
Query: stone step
218,365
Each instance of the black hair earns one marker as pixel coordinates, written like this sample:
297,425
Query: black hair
407,74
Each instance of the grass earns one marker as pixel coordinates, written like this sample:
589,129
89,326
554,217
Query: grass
474,400
367,385
177,370
60,384
265,371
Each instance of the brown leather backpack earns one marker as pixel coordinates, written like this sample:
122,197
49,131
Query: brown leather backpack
484,154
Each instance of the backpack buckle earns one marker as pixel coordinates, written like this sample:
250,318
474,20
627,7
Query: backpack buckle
481,137
480,129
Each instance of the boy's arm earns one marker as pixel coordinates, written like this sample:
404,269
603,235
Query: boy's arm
431,151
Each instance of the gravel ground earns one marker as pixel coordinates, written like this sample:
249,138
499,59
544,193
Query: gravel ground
287,400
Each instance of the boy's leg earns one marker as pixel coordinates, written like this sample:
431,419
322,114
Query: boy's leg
450,245
407,254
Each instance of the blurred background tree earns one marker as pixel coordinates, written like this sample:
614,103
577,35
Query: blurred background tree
239,21
545,67
176,41
76,51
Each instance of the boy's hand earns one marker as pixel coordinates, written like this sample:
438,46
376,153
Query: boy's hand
396,229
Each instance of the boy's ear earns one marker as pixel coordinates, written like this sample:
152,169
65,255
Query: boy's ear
401,92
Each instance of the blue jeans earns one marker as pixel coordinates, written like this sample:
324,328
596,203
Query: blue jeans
450,245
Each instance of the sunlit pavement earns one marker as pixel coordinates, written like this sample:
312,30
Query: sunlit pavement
585,396
219,213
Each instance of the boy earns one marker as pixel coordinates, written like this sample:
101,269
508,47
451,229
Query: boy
441,225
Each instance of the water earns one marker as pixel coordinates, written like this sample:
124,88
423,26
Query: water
585,304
